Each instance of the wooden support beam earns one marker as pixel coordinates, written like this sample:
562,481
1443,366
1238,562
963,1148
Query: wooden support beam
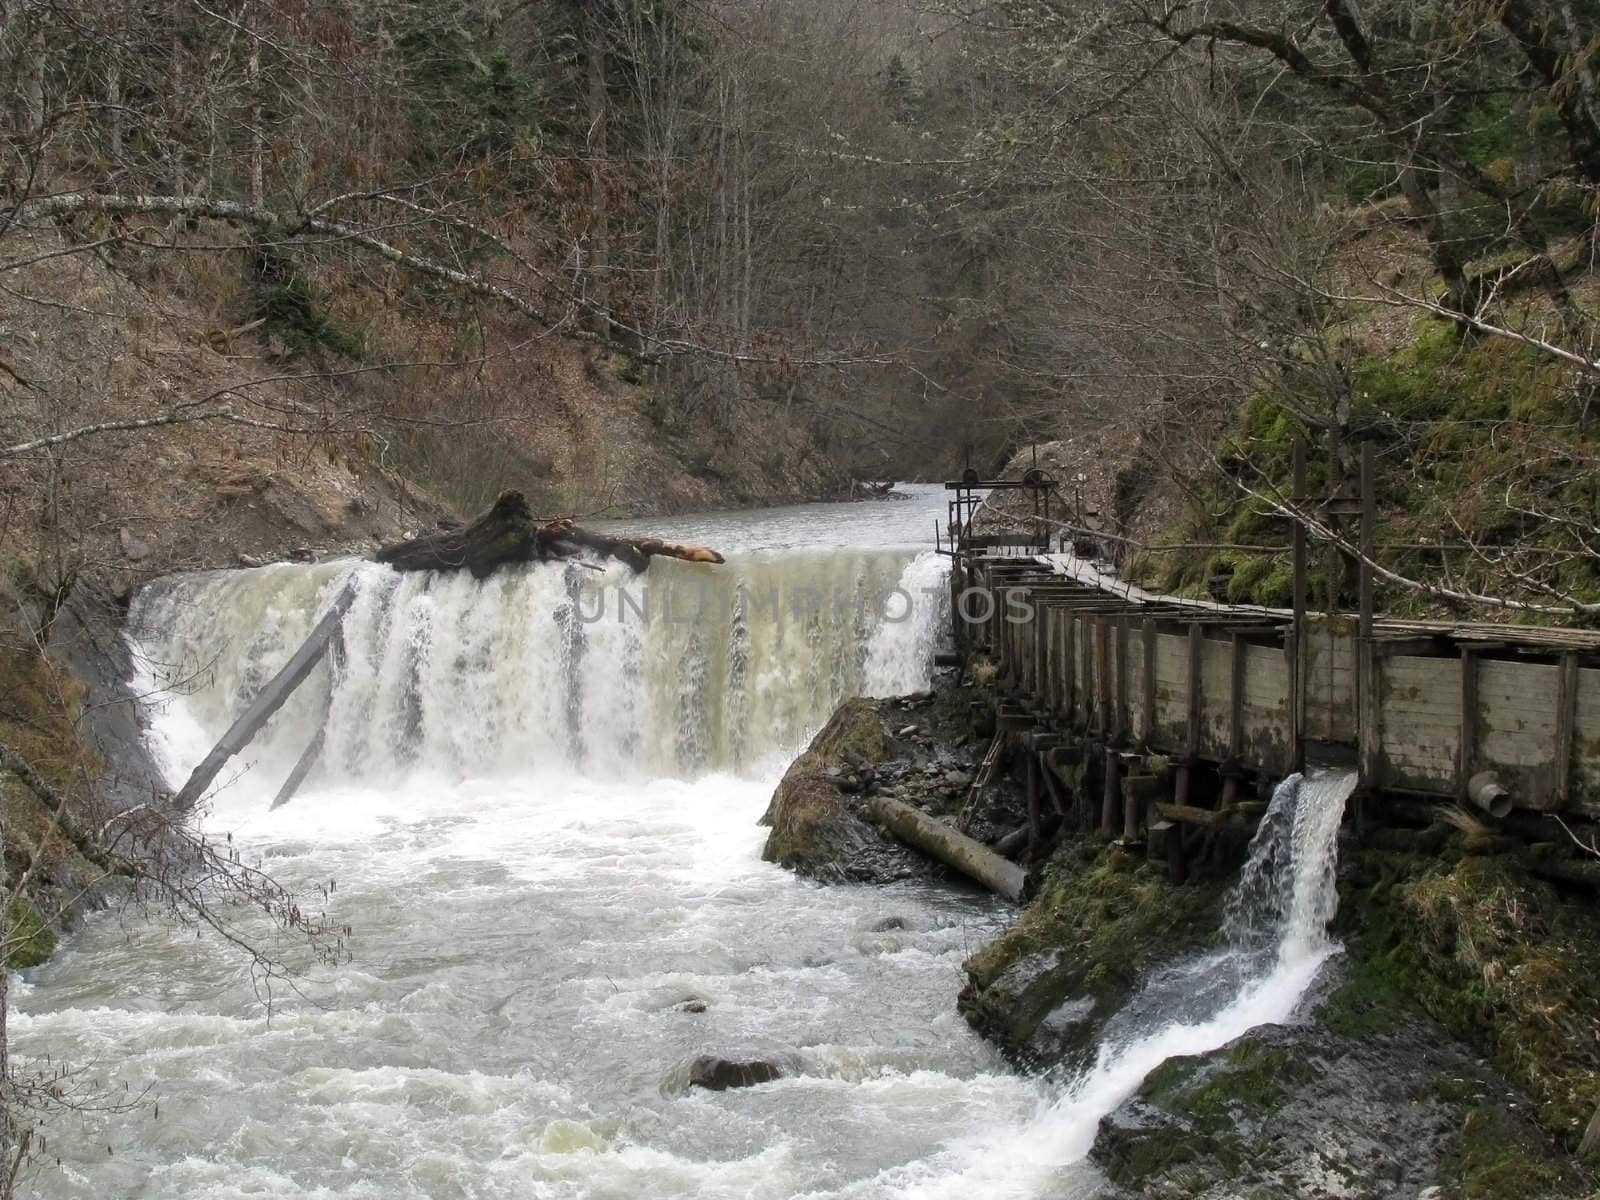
1187,814
1149,633
1191,742
1369,735
1297,638
268,700
1369,532
1102,666
1566,727
1124,707
1467,752
1069,667
1236,697
1086,664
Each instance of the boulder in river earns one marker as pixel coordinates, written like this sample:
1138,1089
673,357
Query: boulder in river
718,1074
817,826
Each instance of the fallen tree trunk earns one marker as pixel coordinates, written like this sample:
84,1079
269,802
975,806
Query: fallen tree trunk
972,858
508,533
268,701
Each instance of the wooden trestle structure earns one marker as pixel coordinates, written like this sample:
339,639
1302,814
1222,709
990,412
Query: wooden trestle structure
1168,689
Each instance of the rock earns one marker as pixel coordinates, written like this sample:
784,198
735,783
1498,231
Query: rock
816,828
888,924
132,548
719,1074
692,1005
957,779
302,554
251,560
907,731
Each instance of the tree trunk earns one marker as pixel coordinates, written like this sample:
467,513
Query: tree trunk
599,265
972,858
508,534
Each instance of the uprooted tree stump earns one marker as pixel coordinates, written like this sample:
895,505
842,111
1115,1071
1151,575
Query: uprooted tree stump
508,533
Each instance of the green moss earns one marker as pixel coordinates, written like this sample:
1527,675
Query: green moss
1213,1095
1492,1159
1498,958
1103,918
30,940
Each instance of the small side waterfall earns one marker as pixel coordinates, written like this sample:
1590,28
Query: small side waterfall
1277,917
680,670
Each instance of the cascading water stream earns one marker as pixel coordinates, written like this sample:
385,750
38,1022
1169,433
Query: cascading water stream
1277,931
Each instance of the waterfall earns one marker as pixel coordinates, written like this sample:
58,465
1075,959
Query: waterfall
1276,923
683,669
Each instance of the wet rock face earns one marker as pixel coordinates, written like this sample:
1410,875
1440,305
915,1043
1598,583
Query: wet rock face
720,1074
1287,1112
1103,919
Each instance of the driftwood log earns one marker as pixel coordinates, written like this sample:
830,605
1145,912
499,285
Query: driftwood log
509,533
972,858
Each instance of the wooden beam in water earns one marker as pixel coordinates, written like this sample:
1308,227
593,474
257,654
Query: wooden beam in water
268,700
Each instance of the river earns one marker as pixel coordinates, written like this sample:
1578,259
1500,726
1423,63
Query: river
538,804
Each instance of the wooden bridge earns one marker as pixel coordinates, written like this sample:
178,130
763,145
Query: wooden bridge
1497,716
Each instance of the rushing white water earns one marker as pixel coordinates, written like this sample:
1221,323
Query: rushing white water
541,823
685,668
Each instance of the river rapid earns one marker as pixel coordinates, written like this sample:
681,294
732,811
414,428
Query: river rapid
537,811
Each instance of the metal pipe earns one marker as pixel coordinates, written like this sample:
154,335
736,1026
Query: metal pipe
1486,791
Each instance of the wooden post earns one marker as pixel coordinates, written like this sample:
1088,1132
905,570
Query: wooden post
1467,753
1149,679
268,700
1369,733
1069,675
1566,726
1367,698
1110,802
1102,664
1192,737
1124,707
1236,698
1297,643
1086,661
1369,532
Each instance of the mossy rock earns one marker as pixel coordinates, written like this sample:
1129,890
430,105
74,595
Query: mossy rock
1500,959
815,829
1103,918
31,940
1495,1159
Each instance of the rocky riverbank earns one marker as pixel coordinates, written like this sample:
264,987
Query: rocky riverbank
1452,1052
922,750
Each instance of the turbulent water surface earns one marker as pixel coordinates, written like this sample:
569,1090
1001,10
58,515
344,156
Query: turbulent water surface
538,802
